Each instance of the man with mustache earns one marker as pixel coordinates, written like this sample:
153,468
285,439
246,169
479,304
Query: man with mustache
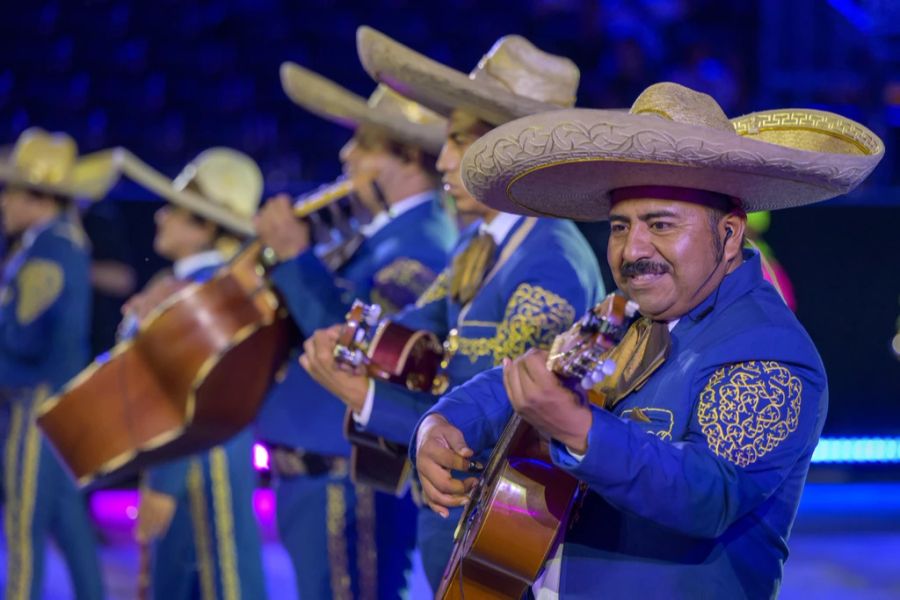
695,466
514,282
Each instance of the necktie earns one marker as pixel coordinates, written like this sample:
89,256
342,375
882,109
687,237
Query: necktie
470,267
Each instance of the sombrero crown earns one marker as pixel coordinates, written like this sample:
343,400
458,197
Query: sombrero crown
565,163
515,78
49,162
222,185
401,119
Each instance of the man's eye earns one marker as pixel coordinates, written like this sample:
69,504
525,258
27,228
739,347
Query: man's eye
617,228
660,225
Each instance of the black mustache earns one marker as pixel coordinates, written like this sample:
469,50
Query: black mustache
643,267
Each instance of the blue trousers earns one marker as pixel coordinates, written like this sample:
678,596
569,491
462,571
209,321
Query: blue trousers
41,501
212,548
345,541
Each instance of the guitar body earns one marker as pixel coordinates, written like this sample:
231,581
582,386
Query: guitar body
194,375
513,521
519,511
393,353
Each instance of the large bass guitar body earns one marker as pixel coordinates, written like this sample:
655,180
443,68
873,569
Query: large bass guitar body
194,375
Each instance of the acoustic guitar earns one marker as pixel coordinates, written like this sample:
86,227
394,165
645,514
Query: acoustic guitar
390,352
521,505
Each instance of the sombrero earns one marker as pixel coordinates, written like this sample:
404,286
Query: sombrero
514,79
222,185
49,162
565,163
402,119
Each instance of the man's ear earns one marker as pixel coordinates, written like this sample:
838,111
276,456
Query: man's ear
733,227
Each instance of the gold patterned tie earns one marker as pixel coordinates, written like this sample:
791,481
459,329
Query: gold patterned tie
644,348
470,267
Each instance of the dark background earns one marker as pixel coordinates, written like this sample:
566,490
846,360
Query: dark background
169,78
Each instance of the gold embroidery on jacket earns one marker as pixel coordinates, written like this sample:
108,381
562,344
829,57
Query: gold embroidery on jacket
748,408
202,535
533,317
40,283
404,273
438,290
224,522
336,520
366,549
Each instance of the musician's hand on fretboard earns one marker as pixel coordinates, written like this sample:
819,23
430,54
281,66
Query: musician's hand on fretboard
441,449
351,387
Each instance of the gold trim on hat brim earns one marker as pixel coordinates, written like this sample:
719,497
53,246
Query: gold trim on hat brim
148,177
565,163
93,175
437,86
334,103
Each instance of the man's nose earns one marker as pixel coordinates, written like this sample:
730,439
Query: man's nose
448,159
637,244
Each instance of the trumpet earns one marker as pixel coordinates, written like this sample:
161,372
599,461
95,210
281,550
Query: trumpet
322,197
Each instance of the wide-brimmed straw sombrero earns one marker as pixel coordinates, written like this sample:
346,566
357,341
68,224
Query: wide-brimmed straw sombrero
514,79
565,163
222,185
402,119
49,162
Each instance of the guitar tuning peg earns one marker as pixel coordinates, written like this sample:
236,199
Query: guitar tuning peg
631,307
372,314
586,382
608,367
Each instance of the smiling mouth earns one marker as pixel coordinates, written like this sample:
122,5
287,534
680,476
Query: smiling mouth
644,278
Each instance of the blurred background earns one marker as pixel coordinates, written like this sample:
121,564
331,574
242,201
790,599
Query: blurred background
169,78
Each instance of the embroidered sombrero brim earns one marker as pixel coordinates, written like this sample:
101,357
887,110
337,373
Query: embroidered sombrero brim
437,86
337,104
92,176
143,174
565,163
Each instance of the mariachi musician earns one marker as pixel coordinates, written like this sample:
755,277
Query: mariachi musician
514,282
344,540
694,467
45,296
198,511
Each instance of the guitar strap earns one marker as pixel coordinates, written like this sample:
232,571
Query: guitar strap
642,350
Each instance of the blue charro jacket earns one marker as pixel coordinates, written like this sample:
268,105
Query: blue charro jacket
45,304
392,267
545,277
698,502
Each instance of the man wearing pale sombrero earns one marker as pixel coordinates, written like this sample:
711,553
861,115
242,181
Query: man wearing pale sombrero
45,296
695,466
348,540
197,512
513,283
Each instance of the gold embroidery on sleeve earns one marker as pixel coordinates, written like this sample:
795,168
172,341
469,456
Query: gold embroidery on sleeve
405,273
748,408
533,317
40,283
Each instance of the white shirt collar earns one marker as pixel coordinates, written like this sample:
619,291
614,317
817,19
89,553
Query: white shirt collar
671,324
187,266
395,210
500,227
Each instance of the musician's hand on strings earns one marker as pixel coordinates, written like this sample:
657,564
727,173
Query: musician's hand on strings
538,396
155,514
280,230
440,449
318,360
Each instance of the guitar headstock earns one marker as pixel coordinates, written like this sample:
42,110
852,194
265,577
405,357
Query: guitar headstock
579,353
353,342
